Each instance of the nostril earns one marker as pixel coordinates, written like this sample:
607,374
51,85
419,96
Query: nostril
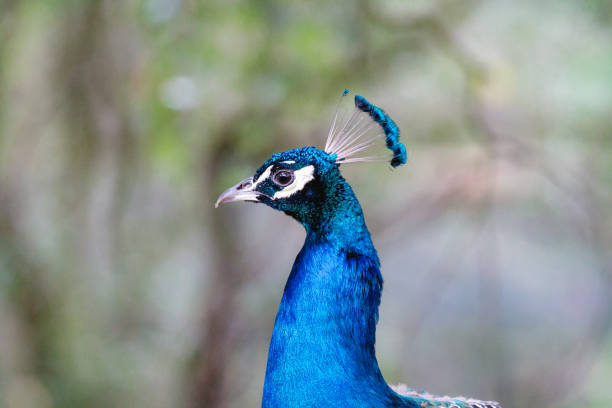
244,184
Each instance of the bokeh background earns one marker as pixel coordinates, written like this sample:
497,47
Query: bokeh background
121,122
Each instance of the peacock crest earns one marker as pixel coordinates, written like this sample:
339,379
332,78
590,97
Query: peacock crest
349,137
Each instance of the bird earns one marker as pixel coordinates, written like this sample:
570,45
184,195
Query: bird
322,350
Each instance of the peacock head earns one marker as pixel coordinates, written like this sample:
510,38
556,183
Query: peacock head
295,181
301,182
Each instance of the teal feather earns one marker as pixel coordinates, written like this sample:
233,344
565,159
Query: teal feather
390,128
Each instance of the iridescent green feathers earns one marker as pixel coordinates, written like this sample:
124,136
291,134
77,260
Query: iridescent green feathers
361,131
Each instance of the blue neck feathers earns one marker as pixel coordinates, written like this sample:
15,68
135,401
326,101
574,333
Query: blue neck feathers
322,348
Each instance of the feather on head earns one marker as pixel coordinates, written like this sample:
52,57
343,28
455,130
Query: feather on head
360,131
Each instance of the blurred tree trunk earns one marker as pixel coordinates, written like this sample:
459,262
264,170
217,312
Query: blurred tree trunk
88,79
210,384
30,297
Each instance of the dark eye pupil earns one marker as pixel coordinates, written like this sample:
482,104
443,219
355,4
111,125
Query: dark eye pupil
283,177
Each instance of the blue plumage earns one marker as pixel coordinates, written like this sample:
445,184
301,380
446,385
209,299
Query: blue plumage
322,348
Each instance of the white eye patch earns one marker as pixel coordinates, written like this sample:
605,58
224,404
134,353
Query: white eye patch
262,177
302,177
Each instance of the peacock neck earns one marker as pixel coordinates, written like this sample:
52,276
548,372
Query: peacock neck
324,334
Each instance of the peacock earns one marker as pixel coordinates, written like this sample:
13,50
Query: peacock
322,348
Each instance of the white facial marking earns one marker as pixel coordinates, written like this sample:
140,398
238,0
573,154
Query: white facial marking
262,177
288,162
302,177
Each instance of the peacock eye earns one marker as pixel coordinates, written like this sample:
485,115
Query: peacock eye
283,177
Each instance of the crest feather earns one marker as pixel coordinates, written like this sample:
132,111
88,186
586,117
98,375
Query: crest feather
360,131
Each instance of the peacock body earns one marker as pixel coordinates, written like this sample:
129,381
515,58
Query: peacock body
322,350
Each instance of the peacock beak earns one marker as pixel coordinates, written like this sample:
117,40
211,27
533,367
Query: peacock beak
243,191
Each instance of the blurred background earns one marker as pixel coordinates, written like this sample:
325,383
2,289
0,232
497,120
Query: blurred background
122,121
